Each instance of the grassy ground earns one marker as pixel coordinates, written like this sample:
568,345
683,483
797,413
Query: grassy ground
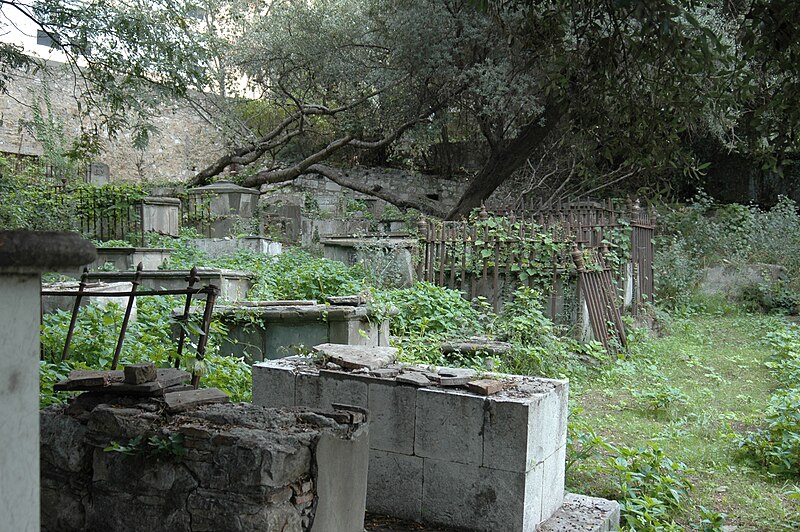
692,391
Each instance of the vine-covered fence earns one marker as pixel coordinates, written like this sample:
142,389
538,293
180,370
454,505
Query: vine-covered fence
491,256
110,212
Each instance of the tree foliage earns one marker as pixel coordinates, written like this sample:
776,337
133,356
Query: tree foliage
623,84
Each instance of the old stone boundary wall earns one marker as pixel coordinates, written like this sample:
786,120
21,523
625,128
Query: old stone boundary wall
332,198
182,143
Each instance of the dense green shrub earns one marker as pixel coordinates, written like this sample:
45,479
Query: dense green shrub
704,233
147,339
776,446
294,274
676,274
24,205
425,308
652,488
536,347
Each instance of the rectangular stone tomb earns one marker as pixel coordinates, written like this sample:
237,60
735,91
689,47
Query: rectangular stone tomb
233,284
125,464
67,302
216,247
272,330
439,453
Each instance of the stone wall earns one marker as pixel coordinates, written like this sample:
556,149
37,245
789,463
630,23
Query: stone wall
332,199
235,467
181,144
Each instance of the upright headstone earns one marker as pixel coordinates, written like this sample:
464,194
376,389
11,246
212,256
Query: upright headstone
24,255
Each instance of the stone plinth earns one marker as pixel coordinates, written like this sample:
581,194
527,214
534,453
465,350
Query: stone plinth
161,215
124,259
229,467
233,284
23,256
444,455
67,302
397,252
271,330
228,204
216,247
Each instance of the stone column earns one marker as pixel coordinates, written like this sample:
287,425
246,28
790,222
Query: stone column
24,255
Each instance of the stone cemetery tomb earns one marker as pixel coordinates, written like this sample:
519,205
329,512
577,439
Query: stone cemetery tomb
265,330
447,447
233,284
218,208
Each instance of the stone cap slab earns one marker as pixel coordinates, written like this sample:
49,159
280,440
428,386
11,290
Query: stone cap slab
513,388
356,357
43,250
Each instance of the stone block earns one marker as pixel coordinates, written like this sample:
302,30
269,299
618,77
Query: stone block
521,432
587,514
353,332
219,510
481,499
553,470
383,333
392,417
394,485
245,340
313,391
139,373
449,426
273,384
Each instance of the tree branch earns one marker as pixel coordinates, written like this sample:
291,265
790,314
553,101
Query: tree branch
422,204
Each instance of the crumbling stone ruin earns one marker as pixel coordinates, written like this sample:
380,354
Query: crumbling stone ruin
111,462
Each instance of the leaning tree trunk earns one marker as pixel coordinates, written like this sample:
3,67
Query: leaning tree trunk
504,160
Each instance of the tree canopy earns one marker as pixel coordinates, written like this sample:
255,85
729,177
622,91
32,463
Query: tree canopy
617,84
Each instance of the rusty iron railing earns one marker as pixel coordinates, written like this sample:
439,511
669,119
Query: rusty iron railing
210,291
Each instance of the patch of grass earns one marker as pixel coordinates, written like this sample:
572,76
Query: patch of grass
693,392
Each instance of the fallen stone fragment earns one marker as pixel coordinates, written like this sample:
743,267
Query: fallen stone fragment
140,373
385,373
413,377
85,380
355,357
473,346
351,301
485,387
112,382
455,376
181,401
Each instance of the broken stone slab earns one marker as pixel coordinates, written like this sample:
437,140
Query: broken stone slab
486,387
580,512
355,357
140,373
182,401
79,380
385,373
350,301
112,382
455,376
476,345
413,377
